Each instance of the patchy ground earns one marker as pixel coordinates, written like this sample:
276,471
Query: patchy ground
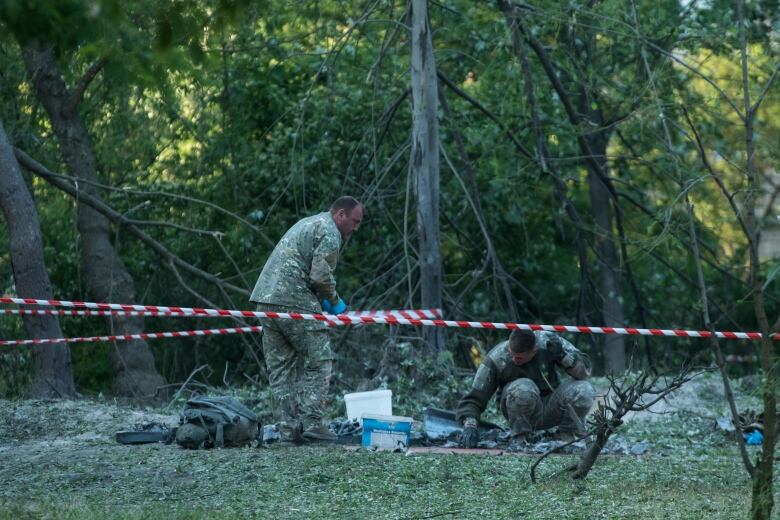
58,459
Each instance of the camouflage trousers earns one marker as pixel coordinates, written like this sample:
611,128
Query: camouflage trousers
299,363
566,407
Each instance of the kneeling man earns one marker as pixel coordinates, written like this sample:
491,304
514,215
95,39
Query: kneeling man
523,373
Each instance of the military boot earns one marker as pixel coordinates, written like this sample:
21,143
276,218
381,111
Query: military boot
320,433
290,433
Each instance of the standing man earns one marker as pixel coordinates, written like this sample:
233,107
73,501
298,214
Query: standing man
298,277
523,372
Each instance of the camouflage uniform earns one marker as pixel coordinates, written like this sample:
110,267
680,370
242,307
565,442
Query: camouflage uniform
531,396
296,278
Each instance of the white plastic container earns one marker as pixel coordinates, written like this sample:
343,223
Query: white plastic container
378,402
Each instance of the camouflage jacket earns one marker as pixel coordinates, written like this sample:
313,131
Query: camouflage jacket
497,370
299,272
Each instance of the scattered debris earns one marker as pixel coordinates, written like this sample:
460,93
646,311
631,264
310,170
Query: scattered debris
345,427
639,448
441,424
269,434
725,424
496,440
146,433
754,438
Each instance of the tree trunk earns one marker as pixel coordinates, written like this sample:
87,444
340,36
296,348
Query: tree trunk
106,276
425,166
591,115
53,374
593,451
762,500
608,261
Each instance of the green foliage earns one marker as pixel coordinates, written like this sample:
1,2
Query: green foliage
15,371
270,110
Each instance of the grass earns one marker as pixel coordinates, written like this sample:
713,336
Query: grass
58,460
156,481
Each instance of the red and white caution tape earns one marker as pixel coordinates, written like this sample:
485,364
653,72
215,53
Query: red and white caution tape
183,314
390,319
417,313
72,312
130,337
430,314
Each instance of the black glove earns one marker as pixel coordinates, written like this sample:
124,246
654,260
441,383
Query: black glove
469,437
555,348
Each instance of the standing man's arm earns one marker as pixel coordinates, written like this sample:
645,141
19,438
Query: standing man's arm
323,264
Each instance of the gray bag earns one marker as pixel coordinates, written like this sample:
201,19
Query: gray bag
208,422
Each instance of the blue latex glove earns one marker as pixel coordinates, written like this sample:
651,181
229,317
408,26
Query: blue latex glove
754,438
334,309
340,307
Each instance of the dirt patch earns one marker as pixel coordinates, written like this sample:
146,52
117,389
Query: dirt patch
69,422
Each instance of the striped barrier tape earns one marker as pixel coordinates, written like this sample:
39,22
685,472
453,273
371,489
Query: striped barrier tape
409,314
390,319
171,313
731,358
130,337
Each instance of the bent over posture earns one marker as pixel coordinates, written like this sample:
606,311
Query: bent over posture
523,373
298,277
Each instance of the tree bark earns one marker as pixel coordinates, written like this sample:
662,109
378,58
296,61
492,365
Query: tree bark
608,261
762,501
53,374
106,276
425,166
593,451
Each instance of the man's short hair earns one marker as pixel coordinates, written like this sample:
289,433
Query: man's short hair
346,203
522,341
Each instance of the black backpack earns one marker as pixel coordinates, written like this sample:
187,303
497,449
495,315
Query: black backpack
208,422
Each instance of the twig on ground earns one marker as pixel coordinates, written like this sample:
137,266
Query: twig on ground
181,389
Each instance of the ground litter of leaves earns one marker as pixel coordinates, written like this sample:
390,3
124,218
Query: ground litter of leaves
59,459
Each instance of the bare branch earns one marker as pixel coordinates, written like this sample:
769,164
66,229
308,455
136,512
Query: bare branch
622,397
452,86
729,196
587,289
184,385
81,180
516,25
766,88
77,93
119,219
697,72
476,206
